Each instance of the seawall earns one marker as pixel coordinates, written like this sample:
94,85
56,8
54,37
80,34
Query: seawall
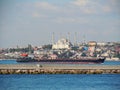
54,69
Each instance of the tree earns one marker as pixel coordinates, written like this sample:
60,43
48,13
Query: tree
49,46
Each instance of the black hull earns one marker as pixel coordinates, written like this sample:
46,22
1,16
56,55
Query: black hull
87,61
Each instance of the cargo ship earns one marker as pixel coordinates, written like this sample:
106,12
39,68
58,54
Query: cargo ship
81,60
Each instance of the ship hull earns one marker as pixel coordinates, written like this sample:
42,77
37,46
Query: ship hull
85,61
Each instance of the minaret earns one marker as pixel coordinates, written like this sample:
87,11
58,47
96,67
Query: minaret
84,40
60,36
68,36
29,48
75,39
53,38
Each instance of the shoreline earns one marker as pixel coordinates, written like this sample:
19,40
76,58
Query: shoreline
7,59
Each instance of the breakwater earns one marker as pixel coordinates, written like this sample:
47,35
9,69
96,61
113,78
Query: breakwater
54,69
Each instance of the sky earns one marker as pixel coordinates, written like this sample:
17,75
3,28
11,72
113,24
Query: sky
24,22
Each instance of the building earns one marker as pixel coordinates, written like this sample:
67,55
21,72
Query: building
62,44
92,47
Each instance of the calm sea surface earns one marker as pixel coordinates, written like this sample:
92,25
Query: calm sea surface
60,82
14,62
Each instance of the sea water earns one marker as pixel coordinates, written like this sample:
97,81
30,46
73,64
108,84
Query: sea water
60,82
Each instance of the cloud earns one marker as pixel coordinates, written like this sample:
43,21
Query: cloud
88,10
70,9
92,6
80,2
85,6
38,15
45,5
115,2
107,9
63,20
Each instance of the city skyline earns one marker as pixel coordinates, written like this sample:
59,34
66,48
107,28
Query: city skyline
24,22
